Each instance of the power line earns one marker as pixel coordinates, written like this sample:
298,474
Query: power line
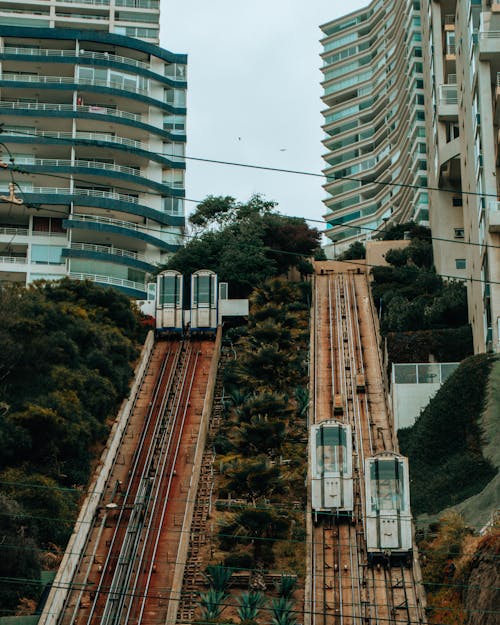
490,554
289,171
106,590
297,172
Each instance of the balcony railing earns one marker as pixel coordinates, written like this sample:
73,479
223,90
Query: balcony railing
91,136
106,220
22,232
109,195
139,286
82,54
449,19
139,4
66,162
69,80
489,34
498,79
49,106
14,260
105,249
448,94
93,2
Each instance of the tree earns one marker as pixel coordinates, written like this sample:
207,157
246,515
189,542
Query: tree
355,251
244,243
19,559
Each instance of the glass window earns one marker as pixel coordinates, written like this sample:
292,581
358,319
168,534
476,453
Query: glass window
387,485
330,449
47,254
169,291
460,263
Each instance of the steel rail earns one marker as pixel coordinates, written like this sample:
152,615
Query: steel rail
160,392
123,571
173,460
161,444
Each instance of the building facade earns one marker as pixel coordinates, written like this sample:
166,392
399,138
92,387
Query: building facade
462,78
93,133
374,122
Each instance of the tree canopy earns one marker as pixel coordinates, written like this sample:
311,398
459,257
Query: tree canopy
245,243
67,353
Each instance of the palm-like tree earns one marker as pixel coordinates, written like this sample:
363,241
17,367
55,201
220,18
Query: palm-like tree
212,604
283,613
218,577
249,605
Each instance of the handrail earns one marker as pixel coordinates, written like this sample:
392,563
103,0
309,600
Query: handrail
79,134
104,249
16,231
106,220
108,280
49,106
111,195
85,54
69,80
63,162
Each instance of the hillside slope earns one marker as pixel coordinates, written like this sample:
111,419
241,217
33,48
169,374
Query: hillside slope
446,446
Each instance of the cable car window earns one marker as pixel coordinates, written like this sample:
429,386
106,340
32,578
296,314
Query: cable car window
387,485
202,292
169,293
330,449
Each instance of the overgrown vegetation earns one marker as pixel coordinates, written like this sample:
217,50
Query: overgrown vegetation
261,445
67,351
444,446
245,243
261,448
416,306
459,571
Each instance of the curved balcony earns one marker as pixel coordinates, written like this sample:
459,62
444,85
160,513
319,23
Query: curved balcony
100,138
116,226
99,199
136,289
104,37
94,168
104,252
18,107
87,57
102,86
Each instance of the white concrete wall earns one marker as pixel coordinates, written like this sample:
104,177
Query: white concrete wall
408,400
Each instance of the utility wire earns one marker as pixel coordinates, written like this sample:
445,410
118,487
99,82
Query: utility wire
491,555
69,177
105,590
297,172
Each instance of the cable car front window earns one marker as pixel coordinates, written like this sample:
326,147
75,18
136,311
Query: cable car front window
170,295
387,484
203,291
330,450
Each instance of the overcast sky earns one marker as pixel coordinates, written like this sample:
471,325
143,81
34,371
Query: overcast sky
253,95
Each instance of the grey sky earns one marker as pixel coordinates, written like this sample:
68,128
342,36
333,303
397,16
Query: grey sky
253,94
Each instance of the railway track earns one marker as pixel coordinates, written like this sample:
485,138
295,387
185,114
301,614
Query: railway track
349,386
130,557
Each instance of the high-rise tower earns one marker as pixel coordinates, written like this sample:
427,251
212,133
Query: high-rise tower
462,78
93,114
374,121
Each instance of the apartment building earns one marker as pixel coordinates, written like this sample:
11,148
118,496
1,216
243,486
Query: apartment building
462,78
93,133
374,121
